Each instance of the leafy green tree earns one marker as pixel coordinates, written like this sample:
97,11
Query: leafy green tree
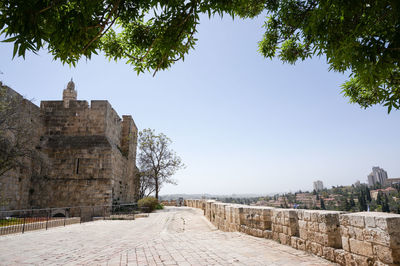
357,37
157,159
368,194
322,204
345,205
352,202
379,198
385,204
377,186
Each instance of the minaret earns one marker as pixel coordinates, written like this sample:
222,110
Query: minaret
69,93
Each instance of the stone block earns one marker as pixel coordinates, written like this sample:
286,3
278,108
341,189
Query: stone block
322,227
393,224
284,239
381,223
301,244
360,247
314,217
308,245
285,230
316,249
374,235
259,232
303,225
357,260
340,256
306,216
300,214
357,221
293,242
313,226
328,253
286,221
267,234
303,234
395,240
356,233
378,263
345,243
310,236
275,236
317,237
344,231
370,222
385,254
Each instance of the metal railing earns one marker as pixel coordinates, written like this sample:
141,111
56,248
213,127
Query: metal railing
19,221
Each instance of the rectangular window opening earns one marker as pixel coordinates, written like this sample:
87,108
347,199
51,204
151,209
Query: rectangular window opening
77,166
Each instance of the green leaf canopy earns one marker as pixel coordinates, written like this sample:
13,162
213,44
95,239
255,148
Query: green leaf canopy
361,37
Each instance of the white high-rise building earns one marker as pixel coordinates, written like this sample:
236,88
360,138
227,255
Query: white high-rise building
318,185
378,175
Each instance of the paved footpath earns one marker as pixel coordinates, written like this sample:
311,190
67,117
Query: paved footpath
174,236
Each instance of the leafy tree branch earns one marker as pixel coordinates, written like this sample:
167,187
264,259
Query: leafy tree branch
361,38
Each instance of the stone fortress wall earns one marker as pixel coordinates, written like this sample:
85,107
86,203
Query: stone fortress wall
90,157
15,185
364,238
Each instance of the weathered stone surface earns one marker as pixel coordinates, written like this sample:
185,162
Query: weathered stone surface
384,254
89,156
345,243
353,259
301,244
321,227
293,241
340,256
366,238
360,247
378,240
328,253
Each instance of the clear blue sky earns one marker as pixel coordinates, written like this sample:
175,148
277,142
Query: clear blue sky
241,123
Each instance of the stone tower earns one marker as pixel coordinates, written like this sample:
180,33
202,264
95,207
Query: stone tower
69,93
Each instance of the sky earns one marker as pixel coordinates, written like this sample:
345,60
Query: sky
241,123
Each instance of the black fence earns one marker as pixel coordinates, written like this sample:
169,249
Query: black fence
19,221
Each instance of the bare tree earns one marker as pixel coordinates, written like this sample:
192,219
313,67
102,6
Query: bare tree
16,132
156,160
147,186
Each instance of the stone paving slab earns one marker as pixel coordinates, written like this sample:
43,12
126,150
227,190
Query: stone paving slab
175,236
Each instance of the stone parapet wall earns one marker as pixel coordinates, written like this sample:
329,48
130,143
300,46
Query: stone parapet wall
365,238
371,235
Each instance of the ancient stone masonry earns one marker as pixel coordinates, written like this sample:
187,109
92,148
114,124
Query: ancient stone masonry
365,238
15,185
91,156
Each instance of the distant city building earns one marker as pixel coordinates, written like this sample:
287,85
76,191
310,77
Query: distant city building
318,185
392,181
378,175
386,191
307,200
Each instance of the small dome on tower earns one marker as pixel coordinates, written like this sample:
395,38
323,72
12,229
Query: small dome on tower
71,85
69,94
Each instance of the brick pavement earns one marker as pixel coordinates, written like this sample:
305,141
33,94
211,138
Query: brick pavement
175,236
